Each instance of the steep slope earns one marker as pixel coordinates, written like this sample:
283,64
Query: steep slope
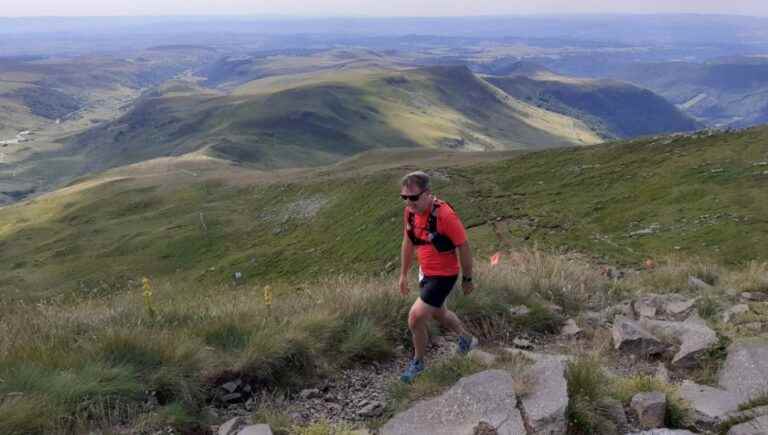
616,109
724,92
198,218
307,121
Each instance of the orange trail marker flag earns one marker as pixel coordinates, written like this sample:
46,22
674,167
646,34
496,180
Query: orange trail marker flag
495,258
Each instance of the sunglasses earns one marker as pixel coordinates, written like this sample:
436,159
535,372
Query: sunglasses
412,198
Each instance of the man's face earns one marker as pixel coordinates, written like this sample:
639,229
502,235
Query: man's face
419,204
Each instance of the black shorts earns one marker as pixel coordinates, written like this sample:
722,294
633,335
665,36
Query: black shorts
434,289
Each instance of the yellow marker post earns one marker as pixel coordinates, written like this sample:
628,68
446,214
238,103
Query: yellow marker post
147,286
268,299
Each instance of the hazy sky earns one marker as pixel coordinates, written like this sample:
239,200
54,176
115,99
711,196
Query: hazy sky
374,7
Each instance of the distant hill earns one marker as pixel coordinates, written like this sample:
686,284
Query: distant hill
199,218
317,119
724,92
615,109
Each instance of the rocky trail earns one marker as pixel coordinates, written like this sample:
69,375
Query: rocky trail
655,335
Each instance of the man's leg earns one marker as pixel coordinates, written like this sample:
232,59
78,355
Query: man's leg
417,322
449,320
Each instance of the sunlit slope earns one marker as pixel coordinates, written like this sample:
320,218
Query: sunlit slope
205,219
310,121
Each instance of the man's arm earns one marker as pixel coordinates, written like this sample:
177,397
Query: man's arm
406,259
465,257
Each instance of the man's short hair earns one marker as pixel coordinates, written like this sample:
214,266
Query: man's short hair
419,179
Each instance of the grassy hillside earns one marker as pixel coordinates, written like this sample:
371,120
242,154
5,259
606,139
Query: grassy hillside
202,219
310,121
616,109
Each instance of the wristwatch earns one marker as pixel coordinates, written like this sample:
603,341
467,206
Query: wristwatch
466,279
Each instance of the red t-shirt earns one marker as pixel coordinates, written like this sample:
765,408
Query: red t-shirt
432,261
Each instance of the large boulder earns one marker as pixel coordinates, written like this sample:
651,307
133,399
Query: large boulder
651,409
630,336
545,405
694,335
734,312
664,432
711,405
487,396
232,426
745,371
256,429
758,426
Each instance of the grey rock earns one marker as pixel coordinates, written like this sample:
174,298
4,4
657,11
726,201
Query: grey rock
546,403
232,426
371,409
748,414
310,393
694,335
745,371
698,284
522,343
754,296
484,428
662,373
734,311
664,432
231,397
614,411
651,409
629,336
623,309
710,405
594,319
486,396
231,386
571,329
519,310
758,426
676,304
646,305
482,357
256,429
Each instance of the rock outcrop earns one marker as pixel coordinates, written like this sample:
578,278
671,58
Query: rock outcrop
487,397
545,405
758,426
711,405
694,335
745,372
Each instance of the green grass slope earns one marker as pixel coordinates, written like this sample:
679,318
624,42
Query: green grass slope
616,109
203,219
323,119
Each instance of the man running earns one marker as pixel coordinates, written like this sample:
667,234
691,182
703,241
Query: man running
434,230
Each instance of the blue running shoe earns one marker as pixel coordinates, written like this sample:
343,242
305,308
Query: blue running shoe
414,368
466,344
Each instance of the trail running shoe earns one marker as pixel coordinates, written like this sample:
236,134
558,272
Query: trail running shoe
414,368
466,344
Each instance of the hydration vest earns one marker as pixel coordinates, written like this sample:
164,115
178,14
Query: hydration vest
441,242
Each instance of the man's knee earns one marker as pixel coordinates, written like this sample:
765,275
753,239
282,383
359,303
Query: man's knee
440,315
418,315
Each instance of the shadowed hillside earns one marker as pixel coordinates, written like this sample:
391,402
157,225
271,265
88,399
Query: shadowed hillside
615,109
725,92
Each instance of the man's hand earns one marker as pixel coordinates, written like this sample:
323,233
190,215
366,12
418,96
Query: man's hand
468,287
404,290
